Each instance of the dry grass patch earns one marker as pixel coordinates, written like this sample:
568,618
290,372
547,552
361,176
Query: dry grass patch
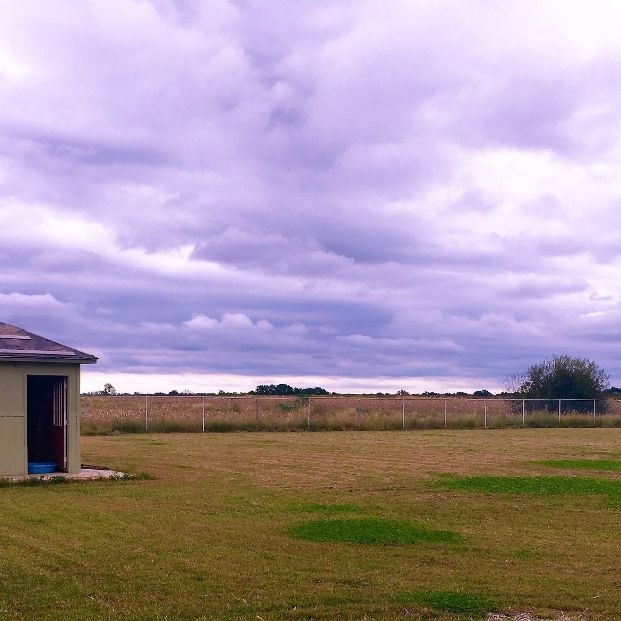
600,465
167,413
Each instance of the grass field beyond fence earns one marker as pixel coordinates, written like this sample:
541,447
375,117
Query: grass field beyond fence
132,414
438,525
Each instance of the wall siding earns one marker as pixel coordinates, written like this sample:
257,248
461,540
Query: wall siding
13,392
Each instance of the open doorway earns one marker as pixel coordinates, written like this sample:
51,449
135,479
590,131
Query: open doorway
47,420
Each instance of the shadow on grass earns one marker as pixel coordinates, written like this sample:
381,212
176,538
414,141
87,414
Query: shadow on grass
371,531
33,482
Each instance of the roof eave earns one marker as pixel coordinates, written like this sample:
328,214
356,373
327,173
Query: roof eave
49,359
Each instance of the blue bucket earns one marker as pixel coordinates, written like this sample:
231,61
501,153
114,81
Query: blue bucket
41,467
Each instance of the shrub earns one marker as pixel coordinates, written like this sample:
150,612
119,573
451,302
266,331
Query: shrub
564,377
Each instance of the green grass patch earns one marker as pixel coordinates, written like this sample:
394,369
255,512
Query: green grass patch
603,465
453,601
371,531
535,485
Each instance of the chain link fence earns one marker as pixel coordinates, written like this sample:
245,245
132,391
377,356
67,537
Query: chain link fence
137,413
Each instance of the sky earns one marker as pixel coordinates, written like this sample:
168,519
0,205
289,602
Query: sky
360,195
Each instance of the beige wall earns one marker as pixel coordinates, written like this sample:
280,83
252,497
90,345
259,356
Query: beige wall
13,389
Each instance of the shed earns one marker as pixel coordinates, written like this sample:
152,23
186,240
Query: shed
39,402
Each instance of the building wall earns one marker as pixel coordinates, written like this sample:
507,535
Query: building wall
13,433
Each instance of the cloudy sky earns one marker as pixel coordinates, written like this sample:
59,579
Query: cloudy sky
364,195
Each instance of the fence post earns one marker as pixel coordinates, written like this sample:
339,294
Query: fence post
308,414
559,410
203,413
402,413
485,406
593,409
523,412
444,412
257,412
146,412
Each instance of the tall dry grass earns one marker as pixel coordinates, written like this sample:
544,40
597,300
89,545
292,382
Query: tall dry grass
135,414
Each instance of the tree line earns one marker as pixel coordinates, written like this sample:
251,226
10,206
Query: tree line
558,377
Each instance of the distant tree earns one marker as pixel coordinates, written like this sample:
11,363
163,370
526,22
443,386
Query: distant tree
482,393
305,392
562,377
109,389
173,393
286,390
264,389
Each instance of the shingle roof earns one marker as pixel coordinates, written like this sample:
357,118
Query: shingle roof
17,344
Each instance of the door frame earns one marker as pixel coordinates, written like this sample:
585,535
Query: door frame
62,379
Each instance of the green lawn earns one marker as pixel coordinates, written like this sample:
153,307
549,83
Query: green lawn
338,525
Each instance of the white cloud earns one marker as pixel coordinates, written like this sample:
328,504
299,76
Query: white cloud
37,303
201,322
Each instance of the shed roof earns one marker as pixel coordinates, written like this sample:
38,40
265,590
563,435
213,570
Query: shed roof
17,344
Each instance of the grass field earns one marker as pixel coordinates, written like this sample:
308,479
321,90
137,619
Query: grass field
381,525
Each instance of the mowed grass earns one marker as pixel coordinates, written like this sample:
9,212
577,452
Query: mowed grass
451,601
603,465
213,534
371,531
537,485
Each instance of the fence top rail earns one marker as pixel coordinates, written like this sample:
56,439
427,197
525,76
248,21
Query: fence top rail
352,397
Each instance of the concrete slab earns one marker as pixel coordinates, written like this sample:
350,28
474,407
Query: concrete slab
86,474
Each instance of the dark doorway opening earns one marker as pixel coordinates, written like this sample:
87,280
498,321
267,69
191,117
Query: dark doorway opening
47,419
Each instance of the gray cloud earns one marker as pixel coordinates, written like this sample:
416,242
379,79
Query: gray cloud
353,190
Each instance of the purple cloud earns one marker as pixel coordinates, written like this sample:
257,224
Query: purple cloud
416,195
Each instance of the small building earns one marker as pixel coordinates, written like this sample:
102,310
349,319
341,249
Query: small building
39,402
